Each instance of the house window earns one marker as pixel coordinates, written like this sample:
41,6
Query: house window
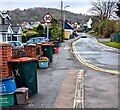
9,38
14,38
19,38
4,38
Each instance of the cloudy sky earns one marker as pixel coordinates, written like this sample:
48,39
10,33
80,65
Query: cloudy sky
76,6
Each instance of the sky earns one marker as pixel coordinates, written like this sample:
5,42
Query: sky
75,6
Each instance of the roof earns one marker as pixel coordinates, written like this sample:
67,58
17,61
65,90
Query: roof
4,15
15,29
4,28
68,25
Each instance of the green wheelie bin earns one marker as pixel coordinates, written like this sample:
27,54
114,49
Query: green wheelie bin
48,51
25,72
56,44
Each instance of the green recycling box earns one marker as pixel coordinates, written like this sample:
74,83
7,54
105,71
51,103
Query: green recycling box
48,51
25,72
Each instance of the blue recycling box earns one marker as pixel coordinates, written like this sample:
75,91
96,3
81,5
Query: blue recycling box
7,85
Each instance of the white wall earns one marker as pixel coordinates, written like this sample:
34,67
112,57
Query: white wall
0,37
0,20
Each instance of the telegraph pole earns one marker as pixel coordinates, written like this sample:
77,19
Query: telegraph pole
61,20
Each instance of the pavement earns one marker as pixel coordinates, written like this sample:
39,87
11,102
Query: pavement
57,83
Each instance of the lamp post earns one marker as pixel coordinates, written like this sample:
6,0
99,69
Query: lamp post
64,17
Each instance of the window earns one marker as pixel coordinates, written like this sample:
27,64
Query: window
4,38
17,44
37,40
9,38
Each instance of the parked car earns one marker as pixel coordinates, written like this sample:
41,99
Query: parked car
84,38
17,49
36,40
83,35
16,45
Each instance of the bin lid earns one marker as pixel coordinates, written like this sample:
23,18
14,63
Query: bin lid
39,43
47,44
22,59
31,45
3,79
21,90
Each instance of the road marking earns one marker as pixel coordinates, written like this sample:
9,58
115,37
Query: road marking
79,91
90,65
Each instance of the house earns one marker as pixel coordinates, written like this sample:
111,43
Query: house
89,23
5,27
68,30
6,31
87,26
17,33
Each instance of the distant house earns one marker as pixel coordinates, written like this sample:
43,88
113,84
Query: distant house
17,33
87,26
68,30
31,25
6,31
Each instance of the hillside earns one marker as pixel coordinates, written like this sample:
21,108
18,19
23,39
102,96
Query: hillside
36,14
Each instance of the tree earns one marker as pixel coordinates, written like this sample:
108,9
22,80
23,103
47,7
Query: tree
54,29
118,9
40,30
103,9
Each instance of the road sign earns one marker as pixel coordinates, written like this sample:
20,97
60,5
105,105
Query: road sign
47,18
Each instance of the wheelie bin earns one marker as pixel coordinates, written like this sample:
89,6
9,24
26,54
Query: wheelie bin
56,44
25,72
48,51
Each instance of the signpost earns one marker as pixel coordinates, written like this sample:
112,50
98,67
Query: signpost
47,19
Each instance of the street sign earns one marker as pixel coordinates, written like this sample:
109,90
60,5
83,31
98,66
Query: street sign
47,18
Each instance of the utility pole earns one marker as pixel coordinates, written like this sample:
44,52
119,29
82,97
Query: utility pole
61,20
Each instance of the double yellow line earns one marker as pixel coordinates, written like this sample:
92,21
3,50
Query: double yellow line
90,65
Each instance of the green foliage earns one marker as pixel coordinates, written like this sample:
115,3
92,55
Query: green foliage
54,30
54,22
112,44
105,28
61,34
118,9
27,34
40,30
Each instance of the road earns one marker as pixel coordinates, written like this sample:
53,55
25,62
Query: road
100,88
97,54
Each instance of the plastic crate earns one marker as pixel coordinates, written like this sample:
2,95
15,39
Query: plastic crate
6,99
43,63
7,85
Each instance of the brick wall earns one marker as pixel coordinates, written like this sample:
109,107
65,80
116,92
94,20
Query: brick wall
5,54
34,50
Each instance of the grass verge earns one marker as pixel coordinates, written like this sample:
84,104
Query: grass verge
112,44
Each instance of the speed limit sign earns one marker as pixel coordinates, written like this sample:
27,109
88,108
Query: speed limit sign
47,18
